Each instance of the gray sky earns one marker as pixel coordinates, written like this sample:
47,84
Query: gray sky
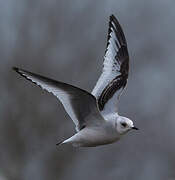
66,40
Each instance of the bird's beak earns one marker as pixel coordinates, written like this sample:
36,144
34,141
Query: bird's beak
135,128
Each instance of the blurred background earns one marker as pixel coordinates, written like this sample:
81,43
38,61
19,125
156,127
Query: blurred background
66,40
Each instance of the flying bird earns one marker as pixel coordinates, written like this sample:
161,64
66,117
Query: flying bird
95,114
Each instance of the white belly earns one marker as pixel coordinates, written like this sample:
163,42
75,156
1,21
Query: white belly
91,137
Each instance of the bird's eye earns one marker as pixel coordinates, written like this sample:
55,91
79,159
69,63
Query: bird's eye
124,124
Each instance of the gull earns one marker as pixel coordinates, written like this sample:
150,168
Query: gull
95,114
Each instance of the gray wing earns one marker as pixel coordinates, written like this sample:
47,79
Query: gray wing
115,69
79,104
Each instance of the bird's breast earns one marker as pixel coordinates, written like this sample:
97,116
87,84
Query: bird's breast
90,137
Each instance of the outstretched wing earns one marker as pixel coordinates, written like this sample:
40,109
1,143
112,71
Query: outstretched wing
79,104
115,69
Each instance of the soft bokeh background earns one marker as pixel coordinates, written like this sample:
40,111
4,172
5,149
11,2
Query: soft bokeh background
66,40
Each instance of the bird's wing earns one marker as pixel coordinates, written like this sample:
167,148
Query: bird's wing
79,104
115,69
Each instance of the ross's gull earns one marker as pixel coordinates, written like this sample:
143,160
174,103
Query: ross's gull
95,114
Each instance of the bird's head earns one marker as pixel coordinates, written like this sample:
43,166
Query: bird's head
124,125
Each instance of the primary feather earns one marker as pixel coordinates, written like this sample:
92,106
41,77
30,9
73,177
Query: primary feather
79,104
115,69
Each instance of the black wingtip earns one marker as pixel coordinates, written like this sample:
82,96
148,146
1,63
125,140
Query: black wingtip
59,143
112,17
115,20
15,69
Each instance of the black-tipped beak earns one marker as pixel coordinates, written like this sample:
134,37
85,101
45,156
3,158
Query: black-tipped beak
135,128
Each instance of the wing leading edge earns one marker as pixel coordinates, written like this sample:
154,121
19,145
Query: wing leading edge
79,104
115,69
